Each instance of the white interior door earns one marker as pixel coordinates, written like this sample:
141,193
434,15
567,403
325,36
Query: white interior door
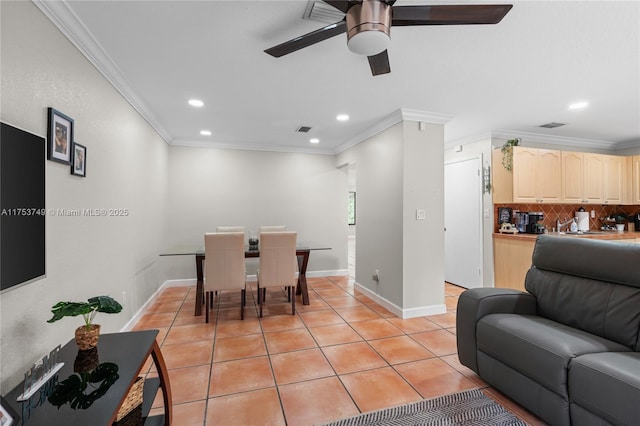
463,222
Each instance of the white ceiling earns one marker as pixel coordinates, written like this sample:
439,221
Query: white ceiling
501,80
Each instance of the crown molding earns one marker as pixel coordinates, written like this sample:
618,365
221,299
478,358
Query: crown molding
61,15
477,137
551,139
249,147
632,143
426,116
402,114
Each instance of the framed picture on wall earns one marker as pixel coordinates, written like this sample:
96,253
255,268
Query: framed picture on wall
79,160
59,137
7,416
352,208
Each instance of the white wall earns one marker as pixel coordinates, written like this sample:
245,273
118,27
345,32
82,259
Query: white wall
127,167
211,187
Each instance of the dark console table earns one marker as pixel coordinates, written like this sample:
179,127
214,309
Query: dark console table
129,352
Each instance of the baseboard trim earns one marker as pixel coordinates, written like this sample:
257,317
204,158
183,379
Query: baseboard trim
397,310
188,282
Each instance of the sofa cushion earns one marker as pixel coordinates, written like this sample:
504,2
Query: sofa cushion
537,347
601,260
607,385
608,310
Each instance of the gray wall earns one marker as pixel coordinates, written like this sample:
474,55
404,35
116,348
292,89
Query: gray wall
216,187
399,170
127,167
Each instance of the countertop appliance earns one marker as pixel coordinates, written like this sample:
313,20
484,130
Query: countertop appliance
521,220
582,218
535,223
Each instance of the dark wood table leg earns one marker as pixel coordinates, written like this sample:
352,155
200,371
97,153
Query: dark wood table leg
199,284
303,260
163,375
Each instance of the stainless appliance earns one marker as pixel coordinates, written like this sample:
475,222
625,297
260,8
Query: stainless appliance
521,219
535,225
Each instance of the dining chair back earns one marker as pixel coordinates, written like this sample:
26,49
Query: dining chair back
273,228
230,229
278,264
224,266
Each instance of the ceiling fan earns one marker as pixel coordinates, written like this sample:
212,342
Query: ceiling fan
368,23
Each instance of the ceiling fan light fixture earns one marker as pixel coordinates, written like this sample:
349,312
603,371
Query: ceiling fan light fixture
368,26
368,43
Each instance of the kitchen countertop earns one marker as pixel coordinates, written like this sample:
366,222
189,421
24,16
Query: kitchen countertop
605,235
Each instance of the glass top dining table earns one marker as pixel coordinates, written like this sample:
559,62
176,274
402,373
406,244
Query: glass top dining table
303,250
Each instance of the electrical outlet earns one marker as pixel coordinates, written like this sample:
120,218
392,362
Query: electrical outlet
376,275
593,214
421,214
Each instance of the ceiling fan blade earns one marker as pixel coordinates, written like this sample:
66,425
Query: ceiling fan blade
379,63
341,5
307,39
464,14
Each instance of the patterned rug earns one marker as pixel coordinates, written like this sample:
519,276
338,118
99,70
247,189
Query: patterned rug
471,408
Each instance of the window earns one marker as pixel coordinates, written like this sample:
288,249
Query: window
352,208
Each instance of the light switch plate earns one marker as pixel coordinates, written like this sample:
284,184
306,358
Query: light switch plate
420,214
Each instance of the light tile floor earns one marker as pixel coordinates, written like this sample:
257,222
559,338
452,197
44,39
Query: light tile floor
337,357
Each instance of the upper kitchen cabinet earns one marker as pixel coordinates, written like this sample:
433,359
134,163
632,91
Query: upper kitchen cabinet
565,177
582,178
635,179
613,179
537,175
502,180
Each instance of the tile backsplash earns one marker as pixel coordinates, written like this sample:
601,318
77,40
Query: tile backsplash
553,212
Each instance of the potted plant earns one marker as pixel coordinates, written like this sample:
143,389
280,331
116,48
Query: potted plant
86,335
620,219
507,153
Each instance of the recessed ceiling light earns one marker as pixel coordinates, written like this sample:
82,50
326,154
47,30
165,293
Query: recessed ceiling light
196,103
578,105
205,132
314,140
342,117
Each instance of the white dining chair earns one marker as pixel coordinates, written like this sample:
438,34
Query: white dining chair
224,267
278,265
273,228
230,229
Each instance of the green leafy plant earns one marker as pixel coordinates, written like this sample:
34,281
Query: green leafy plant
87,309
507,153
620,217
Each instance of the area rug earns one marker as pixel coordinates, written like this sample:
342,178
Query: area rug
469,408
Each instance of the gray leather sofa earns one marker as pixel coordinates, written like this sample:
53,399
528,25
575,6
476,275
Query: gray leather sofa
568,349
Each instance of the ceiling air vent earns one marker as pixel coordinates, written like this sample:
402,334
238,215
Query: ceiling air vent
552,125
322,12
303,129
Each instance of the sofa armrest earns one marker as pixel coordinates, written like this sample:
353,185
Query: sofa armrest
476,303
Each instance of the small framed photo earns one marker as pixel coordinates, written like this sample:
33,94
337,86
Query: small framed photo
59,137
79,160
7,416
504,215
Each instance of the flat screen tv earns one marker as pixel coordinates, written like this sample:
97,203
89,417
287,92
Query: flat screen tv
22,209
